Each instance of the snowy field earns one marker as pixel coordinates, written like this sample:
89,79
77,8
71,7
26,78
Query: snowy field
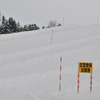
30,64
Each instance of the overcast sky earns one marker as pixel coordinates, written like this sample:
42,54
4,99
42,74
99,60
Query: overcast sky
42,11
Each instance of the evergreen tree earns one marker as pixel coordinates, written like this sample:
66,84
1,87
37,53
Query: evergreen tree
3,20
36,27
19,27
11,26
5,26
25,28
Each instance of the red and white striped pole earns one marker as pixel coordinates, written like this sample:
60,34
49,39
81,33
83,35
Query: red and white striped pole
51,37
60,74
90,82
78,83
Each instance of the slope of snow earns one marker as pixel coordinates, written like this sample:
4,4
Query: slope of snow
29,64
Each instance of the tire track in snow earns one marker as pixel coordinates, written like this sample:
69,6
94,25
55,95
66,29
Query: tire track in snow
48,50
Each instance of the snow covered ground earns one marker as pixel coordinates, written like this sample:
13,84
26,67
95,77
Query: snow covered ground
29,64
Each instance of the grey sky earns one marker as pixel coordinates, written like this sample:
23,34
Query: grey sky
41,11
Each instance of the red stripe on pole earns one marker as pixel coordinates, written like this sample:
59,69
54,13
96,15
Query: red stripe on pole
91,77
60,77
60,59
91,82
78,75
78,81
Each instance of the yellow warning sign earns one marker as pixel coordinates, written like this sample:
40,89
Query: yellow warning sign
85,67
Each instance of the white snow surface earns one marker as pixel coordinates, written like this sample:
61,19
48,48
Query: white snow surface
30,64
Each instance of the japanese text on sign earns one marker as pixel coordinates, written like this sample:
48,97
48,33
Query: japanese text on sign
85,67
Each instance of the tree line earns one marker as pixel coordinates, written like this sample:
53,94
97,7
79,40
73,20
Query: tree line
11,26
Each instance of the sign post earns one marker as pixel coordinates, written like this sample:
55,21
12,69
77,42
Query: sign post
91,82
78,83
85,67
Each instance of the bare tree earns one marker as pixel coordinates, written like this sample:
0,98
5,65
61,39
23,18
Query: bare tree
52,23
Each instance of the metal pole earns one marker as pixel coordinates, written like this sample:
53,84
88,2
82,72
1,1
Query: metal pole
63,21
60,74
51,37
90,82
97,21
78,83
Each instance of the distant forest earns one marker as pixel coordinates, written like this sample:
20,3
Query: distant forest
8,26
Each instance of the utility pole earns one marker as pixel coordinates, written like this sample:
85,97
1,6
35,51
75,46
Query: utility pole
51,36
97,21
63,21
